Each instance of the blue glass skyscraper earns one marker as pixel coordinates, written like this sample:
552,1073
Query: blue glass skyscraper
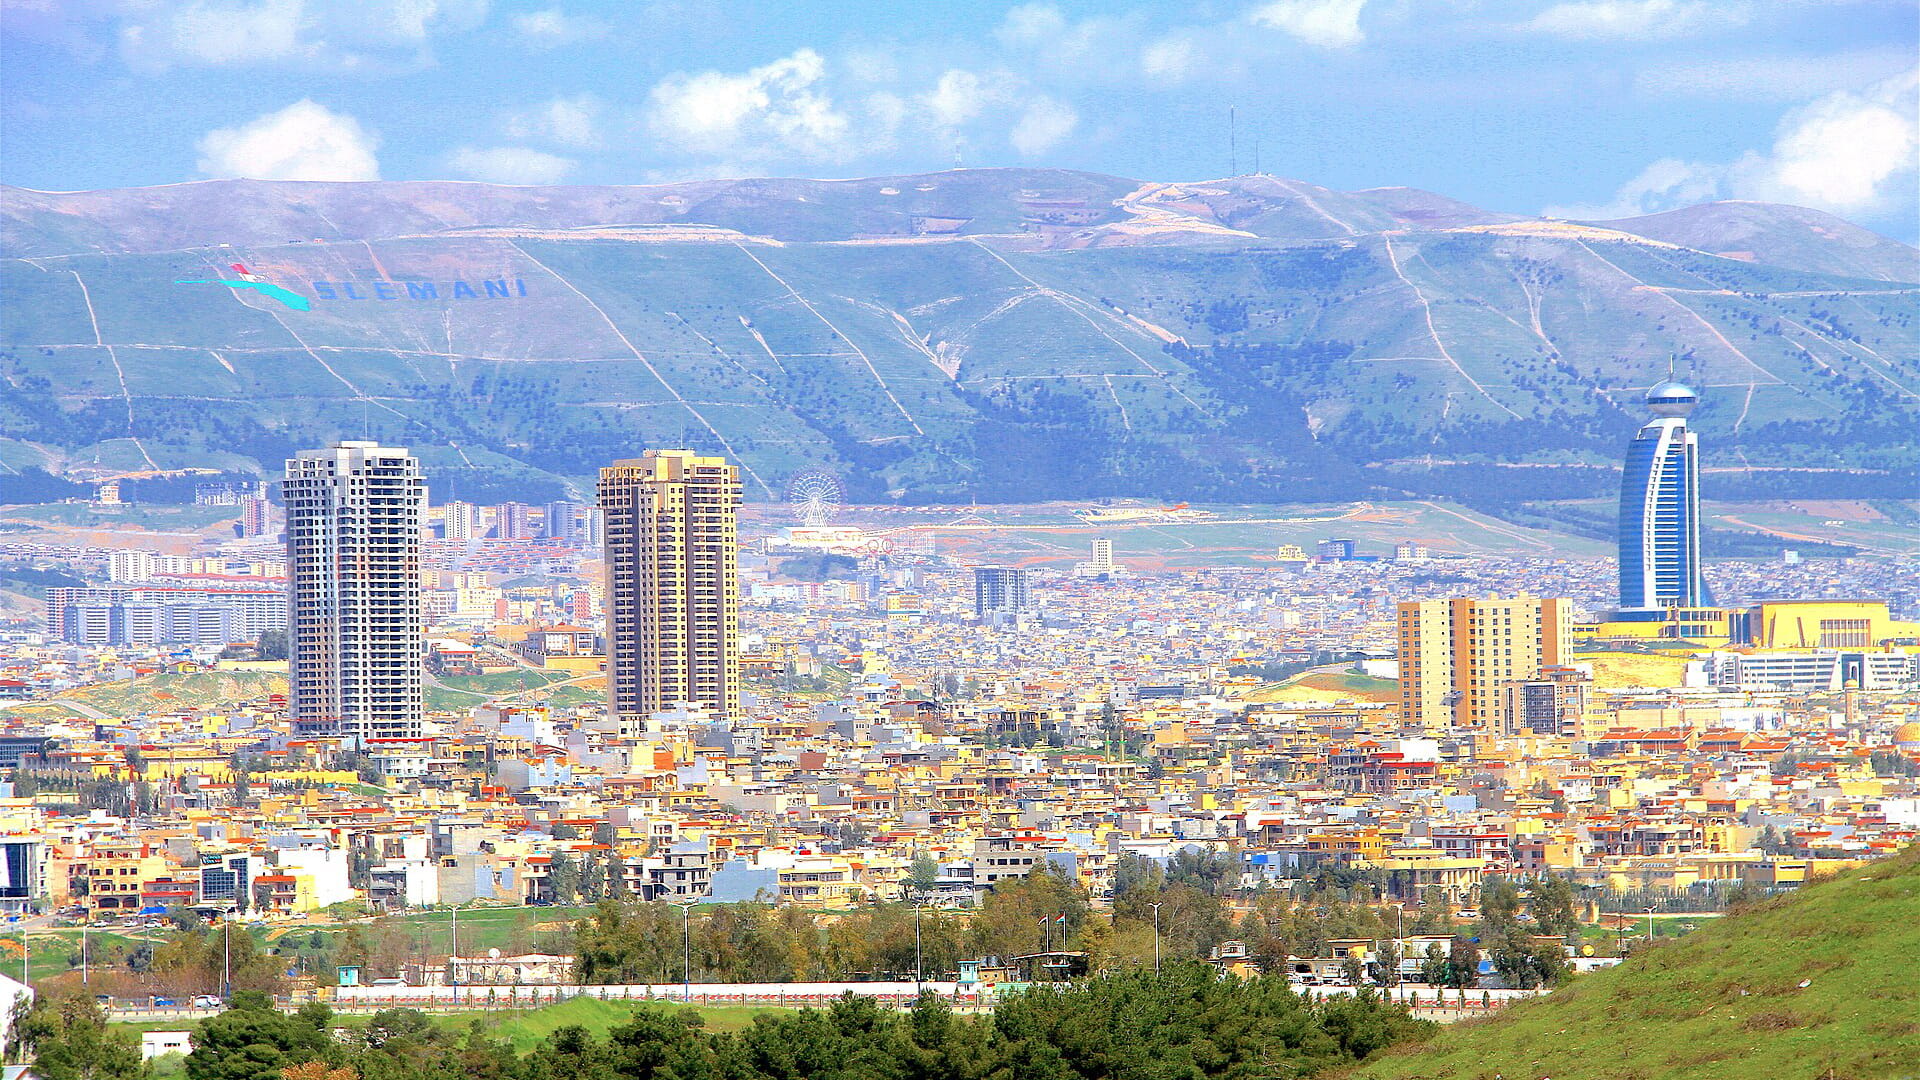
1660,507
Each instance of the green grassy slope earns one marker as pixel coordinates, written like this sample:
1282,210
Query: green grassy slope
1825,980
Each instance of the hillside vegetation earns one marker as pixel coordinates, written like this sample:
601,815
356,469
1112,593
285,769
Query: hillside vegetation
1000,335
1822,983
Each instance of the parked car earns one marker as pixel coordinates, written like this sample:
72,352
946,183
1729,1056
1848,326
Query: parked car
207,1001
165,1003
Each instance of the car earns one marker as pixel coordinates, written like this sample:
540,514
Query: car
207,1001
165,1003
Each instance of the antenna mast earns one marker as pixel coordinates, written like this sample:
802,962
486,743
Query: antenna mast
1233,143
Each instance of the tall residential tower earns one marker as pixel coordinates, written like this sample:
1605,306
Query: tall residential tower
673,582
1660,508
354,513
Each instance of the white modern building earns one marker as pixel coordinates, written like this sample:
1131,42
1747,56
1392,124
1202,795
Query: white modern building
354,516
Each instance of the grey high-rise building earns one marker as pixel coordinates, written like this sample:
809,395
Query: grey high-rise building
1660,508
1001,592
354,514
562,522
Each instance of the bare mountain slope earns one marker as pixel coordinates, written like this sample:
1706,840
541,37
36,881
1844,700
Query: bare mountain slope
1002,334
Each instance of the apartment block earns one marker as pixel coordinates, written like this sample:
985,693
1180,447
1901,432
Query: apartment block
1456,655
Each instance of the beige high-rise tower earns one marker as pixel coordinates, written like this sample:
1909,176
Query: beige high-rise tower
673,582
356,621
1455,655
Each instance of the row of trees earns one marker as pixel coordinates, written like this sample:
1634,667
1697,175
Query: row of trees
1179,912
1184,1023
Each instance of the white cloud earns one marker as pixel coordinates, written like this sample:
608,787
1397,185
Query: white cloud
238,33
553,27
1029,25
961,96
1329,24
511,165
1042,126
1634,20
1849,152
216,34
1170,59
303,141
1772,78
570,121
888,111
781,106
1663,185
1845,150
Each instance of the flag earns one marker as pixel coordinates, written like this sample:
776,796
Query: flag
1062,918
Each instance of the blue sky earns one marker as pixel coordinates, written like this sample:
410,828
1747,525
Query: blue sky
1584,108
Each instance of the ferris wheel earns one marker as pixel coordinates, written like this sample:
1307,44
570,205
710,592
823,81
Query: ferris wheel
815,495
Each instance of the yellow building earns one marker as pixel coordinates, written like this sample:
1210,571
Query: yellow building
1697,625
1770,624
819,879
1455,655
116,874
1825,624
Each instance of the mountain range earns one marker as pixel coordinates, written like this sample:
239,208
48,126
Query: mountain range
975,334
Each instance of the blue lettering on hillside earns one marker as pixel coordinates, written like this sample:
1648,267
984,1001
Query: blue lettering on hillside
494,289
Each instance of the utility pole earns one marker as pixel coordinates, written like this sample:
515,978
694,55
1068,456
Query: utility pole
1156,934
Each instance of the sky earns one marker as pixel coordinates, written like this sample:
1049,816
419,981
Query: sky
1583,108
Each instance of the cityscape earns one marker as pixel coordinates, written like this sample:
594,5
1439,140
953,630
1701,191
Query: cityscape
577,601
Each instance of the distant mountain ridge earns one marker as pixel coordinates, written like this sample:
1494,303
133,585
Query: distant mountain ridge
998,333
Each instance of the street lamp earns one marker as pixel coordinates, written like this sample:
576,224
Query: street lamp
686,953
1156,934
917,904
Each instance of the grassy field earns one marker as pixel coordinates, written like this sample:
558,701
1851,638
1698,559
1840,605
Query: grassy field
457,692
56,952
1811,985
480,928
527,1029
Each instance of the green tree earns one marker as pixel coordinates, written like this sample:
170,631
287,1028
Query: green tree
1551,904
1388,959
1463,963
273,645
67,1039
563,878
252,1040
924,875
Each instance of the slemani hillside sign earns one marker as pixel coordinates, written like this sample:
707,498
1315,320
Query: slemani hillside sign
377,289
457,289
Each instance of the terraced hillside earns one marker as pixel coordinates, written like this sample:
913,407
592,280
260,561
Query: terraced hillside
989,334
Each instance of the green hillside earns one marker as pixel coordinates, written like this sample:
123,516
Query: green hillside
999,335
1817,984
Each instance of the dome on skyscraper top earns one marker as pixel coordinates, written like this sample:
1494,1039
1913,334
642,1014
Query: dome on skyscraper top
1671,398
